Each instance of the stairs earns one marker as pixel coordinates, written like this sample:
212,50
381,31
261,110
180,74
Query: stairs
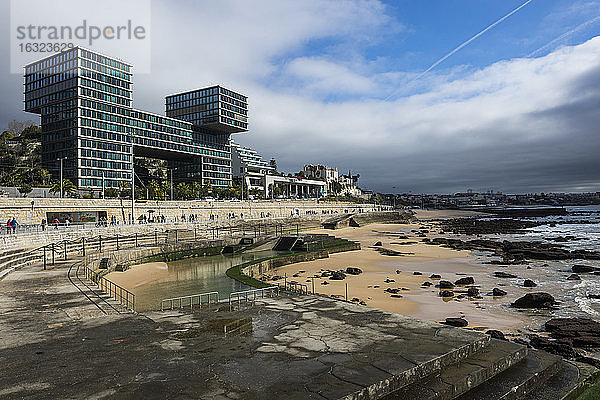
14,259
502,371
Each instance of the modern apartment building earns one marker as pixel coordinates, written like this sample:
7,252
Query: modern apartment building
85,102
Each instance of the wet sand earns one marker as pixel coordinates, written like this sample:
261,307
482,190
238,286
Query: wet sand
417,301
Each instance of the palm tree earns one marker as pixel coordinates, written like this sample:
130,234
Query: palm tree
67,186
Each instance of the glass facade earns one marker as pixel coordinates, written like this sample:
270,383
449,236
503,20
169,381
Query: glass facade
85,103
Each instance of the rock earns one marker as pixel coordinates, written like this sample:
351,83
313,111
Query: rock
584,332
398,271
296,275
551,346
396,296
388,280
529,283
445,285
362,303
495,334
353,271
582,269
458,322
498,292
500,274
378,244
326,274
390,290
338,276
417,273
535,300
447,293
435,276
355,300
324,283
465,281
574,277
593,296
472,292
426,283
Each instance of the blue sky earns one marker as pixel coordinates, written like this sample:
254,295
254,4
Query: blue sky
333,82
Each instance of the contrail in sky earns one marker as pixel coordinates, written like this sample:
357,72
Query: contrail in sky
564,35
465,43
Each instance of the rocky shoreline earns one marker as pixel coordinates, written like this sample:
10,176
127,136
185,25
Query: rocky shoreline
572,338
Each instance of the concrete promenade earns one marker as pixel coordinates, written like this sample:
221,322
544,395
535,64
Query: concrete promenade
55,343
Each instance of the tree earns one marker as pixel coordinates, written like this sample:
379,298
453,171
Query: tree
273,164
16,127
44,176
68,187
336,187
25,189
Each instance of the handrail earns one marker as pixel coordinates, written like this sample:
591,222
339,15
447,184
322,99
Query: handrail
119,293
191,297
293,286
245,294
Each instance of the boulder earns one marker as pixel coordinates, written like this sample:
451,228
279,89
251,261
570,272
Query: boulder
338,276
426,283
552,346
353,271
388,280
435,276
324,283
472,292
582,269
465,281
417,273
593,296
393,291
500,274
529,283
446,285
535,300
572,327
495,334
498,292
378,244
574,277
458,322
447,293
396,296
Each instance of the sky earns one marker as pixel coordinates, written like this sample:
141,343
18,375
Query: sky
342,83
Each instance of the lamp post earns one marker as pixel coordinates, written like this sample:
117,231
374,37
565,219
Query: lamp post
132,181
61,176
171,170
103,185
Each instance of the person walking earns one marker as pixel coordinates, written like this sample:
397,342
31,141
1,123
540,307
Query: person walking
43,224
14,224
8,225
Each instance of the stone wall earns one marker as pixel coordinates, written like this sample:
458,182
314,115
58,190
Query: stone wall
32,211
260,268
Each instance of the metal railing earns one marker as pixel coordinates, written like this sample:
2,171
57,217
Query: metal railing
253,294
189,300
119,293
292,286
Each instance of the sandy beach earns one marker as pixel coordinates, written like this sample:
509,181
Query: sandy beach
381,272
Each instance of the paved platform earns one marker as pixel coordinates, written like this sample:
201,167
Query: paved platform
55,341
56,344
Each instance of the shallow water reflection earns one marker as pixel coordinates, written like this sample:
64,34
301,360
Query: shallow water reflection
193,276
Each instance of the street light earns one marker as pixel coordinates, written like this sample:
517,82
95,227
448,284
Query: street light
172,169
61,175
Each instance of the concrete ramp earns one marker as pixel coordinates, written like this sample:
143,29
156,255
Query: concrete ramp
285,243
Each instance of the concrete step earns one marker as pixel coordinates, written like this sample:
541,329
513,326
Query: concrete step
568,384
460,377
540,376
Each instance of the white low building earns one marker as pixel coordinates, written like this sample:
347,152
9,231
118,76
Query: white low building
258,175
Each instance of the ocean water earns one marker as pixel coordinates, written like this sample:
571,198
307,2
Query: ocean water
582,227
